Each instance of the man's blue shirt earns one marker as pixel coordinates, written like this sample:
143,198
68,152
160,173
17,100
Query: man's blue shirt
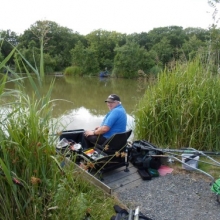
116,120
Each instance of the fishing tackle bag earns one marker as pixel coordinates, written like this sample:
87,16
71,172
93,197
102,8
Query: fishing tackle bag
143,155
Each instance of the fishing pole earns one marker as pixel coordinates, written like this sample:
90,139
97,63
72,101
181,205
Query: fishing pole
191,157
182,150
189,150
193,152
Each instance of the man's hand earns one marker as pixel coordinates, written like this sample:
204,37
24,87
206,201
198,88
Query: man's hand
88,133
97,131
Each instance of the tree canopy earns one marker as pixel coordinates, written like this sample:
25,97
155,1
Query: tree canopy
122,54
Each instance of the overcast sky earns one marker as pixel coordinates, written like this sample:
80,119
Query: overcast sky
124,16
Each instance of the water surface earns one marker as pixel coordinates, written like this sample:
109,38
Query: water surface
80,100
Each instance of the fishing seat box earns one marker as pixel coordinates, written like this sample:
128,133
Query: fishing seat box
103,162
95,154
98,158
75,135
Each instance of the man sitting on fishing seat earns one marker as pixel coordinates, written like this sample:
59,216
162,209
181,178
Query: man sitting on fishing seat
114,122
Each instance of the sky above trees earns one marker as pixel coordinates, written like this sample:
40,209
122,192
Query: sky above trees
124,16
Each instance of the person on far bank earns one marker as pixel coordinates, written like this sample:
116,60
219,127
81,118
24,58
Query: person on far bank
115,121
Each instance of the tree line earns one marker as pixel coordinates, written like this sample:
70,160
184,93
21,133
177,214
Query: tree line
124,55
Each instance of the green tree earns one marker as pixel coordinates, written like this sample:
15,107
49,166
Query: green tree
200,33
174,34
171,37
85,59
164,51
8,39
60,40
191,47
32,54
78,55
92,64
129,59
141,38
103,44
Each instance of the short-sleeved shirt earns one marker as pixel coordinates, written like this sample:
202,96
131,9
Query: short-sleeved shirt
116,120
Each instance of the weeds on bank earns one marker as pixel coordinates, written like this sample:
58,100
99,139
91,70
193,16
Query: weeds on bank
182,109
33,185
73,71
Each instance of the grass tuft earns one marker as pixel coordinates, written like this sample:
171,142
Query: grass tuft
33,184
181,109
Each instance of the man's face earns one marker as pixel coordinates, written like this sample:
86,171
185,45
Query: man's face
112,104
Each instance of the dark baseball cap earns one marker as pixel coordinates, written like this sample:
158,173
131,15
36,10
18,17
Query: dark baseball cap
112,97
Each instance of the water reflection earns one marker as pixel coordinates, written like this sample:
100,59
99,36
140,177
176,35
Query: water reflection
104,80
82,118
80,101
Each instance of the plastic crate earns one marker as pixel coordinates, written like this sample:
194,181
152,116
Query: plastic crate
191,160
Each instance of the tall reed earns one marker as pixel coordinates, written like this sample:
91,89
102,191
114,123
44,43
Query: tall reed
33,185
182,109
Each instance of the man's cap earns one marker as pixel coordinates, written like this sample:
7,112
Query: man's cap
112,97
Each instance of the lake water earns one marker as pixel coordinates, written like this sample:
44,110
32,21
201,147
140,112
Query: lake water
80,100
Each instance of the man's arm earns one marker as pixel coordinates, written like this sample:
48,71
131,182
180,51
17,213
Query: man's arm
100,130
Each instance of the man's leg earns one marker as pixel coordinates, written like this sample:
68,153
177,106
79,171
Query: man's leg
92,140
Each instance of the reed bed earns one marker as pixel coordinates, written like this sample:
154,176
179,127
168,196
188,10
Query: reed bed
33,185
182,109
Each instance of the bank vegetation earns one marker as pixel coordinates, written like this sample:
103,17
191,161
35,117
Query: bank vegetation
33,182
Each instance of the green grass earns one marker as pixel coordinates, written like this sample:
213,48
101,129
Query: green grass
209,166
181,109
32,183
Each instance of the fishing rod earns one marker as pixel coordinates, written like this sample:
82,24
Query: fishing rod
191,151
191,157
193,154
202,152
182,150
